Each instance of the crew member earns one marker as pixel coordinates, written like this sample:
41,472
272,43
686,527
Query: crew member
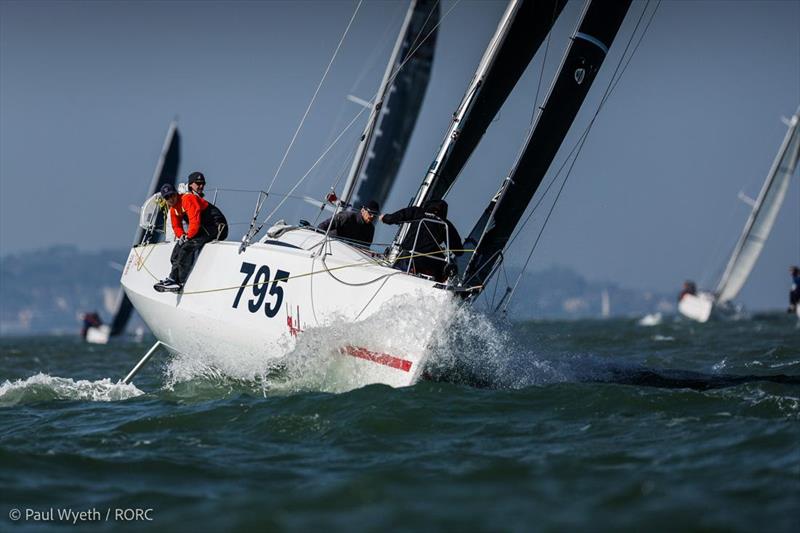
90,320
794,292
354,226
688,288
205,223
429,236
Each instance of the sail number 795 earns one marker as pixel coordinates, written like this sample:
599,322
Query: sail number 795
262,286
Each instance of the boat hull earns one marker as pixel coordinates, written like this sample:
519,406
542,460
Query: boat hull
258,303
696,307
98,335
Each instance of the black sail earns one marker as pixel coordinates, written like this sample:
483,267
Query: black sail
529,27
166,172
400,106
596,31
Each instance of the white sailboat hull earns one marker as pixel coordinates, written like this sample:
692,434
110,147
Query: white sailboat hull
257,304
98,335
696,307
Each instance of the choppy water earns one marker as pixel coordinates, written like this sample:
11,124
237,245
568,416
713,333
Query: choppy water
566,431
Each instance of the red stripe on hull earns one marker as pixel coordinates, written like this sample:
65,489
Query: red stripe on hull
377,357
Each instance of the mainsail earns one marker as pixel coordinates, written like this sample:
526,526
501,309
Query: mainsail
597,28
166,172
762,217
402,91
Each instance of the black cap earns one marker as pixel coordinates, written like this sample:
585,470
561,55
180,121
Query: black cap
372,206
167,190
196,177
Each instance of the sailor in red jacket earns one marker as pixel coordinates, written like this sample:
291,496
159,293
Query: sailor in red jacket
190,206
206,223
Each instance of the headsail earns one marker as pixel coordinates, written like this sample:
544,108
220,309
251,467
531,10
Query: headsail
519,34
166,172
402,91
762,217
597,28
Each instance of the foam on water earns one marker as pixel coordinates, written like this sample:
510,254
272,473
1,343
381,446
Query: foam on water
43,387
464,346
479,350
313,360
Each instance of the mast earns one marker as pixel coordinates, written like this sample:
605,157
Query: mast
762,217
596,30
519,34
166,172
383,143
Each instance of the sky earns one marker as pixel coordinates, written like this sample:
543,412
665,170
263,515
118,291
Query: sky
87,91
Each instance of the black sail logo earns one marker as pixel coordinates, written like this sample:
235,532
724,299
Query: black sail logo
580,74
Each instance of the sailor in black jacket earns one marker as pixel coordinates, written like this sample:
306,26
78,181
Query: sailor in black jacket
353,225
432,232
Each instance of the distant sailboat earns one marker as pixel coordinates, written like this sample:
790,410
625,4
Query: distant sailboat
605,304
756,231
166,172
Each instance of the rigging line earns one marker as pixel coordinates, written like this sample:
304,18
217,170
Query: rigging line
612,85
408,58
544,225
353,284
427,35
141,264
313,98
391,79
569,155
370,63
544,62
345,165
378,290
410,54
343,168
414,45
377,93
300,181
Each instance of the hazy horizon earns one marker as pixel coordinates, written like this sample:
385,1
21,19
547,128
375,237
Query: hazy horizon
88,89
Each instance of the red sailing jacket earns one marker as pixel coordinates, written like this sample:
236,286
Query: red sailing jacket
190,205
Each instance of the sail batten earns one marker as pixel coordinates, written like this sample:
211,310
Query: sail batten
762,217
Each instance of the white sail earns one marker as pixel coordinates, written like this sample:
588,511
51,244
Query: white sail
762,217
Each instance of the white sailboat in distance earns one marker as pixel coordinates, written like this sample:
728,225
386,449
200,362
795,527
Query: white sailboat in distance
756,230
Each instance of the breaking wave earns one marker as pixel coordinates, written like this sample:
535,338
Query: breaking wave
313,360
42,387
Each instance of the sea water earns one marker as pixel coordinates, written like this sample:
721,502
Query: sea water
544,425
